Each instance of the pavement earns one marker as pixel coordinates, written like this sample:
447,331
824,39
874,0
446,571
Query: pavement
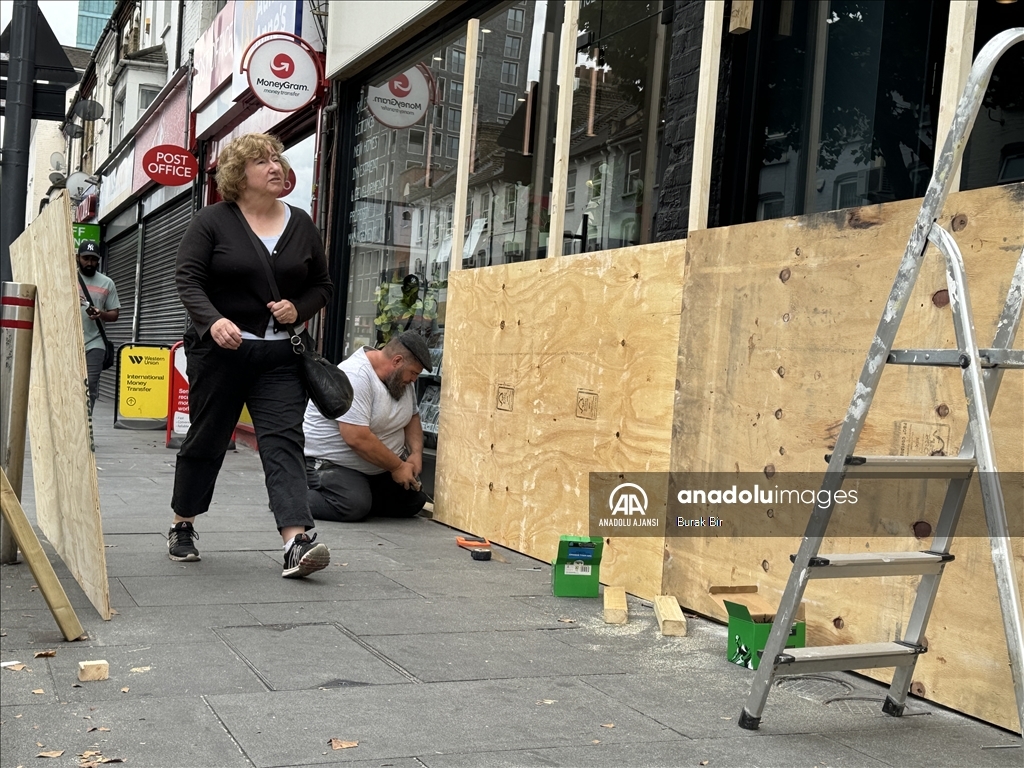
405,652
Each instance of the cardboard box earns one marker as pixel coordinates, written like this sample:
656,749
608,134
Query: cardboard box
576,570
750,623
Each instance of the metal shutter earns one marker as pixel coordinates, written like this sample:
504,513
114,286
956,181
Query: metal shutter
121,267
162,318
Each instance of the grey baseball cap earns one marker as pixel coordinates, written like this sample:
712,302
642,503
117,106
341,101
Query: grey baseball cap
418,347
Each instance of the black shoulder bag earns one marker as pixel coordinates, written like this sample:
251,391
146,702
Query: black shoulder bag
327,385
109,354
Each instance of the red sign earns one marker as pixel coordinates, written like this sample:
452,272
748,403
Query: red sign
170,165
289,184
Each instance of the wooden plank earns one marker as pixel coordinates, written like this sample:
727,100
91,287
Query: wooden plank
741,16
526,346
466,145
670,618
89,671
707,101
563,126
53,592
778,317
616,609
963,20
60,432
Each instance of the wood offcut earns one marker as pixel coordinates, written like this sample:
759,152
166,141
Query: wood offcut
616,610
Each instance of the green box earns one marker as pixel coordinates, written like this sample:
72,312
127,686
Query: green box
748,634
576,571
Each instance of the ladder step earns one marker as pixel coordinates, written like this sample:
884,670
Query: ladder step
876,564
989,358
913,466
836,658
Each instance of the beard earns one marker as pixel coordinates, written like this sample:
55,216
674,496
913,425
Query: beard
395,385
87,271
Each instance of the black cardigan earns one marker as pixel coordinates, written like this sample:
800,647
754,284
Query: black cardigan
218,274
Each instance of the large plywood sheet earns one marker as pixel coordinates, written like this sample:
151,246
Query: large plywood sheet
60,433
554,369
777,319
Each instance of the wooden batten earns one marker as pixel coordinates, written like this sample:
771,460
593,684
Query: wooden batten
554,369
466,146
963,19
563,127
777,319
741,16
707,101
60,432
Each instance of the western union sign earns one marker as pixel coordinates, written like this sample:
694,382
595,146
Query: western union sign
143,377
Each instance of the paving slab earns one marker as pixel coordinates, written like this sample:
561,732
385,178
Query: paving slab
489,580
411,720
297,657
968,744
165,732
797,750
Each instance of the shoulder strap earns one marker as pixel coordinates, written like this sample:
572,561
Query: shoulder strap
88,298
264,254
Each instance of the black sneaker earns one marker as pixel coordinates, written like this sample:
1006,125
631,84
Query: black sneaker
179,543
304,557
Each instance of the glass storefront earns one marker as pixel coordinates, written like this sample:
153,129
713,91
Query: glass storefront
833,105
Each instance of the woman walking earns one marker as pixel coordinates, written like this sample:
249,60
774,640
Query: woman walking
238,350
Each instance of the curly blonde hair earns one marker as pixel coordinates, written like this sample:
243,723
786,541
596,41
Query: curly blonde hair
237,153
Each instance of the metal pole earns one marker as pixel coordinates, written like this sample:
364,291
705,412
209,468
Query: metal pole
17,129
17,314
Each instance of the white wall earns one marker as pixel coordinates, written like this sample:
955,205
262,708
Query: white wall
358,30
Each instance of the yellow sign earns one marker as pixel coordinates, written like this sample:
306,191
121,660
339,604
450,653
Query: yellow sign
144,375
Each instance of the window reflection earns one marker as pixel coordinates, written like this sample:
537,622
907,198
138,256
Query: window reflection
403,200
621,63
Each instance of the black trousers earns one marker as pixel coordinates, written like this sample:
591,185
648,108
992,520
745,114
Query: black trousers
263,375
346,495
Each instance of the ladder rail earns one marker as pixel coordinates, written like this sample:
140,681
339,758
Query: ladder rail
899,297
920,614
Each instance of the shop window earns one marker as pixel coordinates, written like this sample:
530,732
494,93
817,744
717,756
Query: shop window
513,45
455,93
993,152
454,119
831,105
516,19
506,103
622,86
509,73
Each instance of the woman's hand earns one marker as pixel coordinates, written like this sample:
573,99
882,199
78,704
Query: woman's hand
283,311
226,334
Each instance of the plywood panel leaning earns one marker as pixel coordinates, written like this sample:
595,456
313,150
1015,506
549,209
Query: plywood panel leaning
777,320
555,369
60,432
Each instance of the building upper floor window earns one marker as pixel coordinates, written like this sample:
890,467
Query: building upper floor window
516,19
509,72
506,103
513,46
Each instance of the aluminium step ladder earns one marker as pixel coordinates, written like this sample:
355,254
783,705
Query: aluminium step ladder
982,372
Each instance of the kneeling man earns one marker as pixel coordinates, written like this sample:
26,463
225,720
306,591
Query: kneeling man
368,461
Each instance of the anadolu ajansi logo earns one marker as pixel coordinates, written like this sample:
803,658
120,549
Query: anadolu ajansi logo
283,66
623,499
400,86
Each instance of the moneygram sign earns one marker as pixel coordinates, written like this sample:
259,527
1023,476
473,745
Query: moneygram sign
403,100
283,74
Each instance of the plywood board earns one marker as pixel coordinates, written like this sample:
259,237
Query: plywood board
554,369
777,319
60,432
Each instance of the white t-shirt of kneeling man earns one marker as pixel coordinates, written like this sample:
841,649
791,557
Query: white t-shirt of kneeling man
372,406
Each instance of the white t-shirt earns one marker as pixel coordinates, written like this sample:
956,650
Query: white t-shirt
372,406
